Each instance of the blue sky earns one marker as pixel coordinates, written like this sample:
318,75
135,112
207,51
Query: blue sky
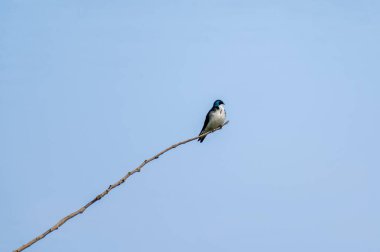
89,89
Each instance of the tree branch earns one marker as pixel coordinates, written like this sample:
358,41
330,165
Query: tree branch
111,187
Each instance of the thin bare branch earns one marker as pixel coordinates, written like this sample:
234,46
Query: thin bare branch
111,187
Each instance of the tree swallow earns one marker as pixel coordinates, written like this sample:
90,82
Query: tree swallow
214,119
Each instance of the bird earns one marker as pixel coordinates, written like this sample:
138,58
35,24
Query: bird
214,119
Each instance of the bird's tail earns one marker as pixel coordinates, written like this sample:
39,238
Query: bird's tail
201,138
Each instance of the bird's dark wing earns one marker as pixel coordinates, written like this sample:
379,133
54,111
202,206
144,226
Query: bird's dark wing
206,122
204,126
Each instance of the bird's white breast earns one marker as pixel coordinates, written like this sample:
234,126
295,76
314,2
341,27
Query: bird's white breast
217,118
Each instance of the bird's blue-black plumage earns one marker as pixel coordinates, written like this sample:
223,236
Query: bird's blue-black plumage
204,126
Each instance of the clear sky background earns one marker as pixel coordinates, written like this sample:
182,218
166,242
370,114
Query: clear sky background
89,89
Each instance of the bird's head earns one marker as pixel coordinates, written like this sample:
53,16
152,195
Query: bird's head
217,103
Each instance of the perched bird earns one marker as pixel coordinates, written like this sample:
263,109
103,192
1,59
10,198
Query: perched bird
215,118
